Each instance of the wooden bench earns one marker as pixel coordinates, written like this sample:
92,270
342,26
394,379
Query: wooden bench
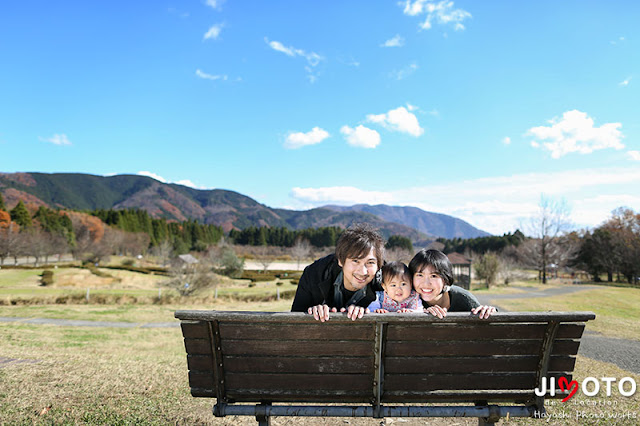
383,365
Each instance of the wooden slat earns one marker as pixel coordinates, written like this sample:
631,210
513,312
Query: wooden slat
297,348
570,331
201,379
565,347
248,395
463,348
474,332
301,383
197,346
195,330
333,365
295,332
457,397
199,362
431,382
526,363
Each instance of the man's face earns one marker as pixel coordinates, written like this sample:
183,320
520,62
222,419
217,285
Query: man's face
359,272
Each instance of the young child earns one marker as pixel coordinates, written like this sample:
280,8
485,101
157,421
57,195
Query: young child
398,294
432,276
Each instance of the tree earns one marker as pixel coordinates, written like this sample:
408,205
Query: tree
189,278
9,241
2,207
301,249
399,241
21,215
487,268
546,226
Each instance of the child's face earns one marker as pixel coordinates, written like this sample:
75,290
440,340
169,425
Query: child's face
428,283
398,288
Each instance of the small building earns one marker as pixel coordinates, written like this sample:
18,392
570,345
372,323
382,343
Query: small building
187,259
461,269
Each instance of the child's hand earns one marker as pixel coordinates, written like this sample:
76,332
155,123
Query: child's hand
381,311
484,310
437,311
406,310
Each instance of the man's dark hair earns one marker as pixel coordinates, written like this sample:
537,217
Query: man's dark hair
395,269
357,241
435,258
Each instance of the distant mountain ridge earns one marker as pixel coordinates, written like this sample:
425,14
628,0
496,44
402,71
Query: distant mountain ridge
225,208
427,222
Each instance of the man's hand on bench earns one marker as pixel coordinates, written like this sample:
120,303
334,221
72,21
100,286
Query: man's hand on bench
321,312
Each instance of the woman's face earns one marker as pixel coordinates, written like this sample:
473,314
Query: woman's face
428,284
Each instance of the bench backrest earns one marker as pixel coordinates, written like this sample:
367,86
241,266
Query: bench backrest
381,358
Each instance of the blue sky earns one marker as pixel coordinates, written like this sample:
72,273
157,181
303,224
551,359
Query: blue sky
467,108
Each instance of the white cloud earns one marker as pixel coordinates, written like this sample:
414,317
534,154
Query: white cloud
152,175
313,59
634,155
299,139
400,120
506,140
340,195
441,12
625,82
214,32
404,72
206,76
214,4
57,139
187,182
619,40
397,41
502,203
361,136
576,132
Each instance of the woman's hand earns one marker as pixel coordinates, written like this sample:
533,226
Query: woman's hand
437,311
320,312
484,311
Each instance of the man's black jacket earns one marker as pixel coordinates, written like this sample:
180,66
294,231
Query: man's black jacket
316,286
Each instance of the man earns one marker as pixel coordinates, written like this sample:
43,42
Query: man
345,281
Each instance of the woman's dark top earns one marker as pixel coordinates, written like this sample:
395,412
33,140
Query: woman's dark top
461,300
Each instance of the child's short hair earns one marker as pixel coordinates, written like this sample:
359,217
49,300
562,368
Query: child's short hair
357,241
435,258
395,269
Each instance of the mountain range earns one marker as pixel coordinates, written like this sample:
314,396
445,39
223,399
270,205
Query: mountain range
225,208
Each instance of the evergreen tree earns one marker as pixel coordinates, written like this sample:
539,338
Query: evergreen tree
2,206
21,216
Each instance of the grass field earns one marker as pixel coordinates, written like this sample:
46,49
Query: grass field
97,375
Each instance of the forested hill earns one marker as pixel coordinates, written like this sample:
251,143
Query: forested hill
228,209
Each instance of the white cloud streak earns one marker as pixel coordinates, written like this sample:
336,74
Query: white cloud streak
404,72
575,132
299,139
399,120
214,32
361,136
206,76
313,59
634,155
397,41
441,12
214,4
625,82
57,139
184,182
506,140
503,203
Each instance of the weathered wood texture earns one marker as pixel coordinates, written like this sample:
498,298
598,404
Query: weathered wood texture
289,357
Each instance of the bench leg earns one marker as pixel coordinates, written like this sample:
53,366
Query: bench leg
262,417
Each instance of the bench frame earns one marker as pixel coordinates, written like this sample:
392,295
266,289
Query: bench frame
211,341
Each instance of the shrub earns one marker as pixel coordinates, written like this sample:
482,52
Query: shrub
46,278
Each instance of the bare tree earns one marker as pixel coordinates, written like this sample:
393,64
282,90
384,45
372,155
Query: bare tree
163,252
301,249
187,278
9,241
550,222
264,258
